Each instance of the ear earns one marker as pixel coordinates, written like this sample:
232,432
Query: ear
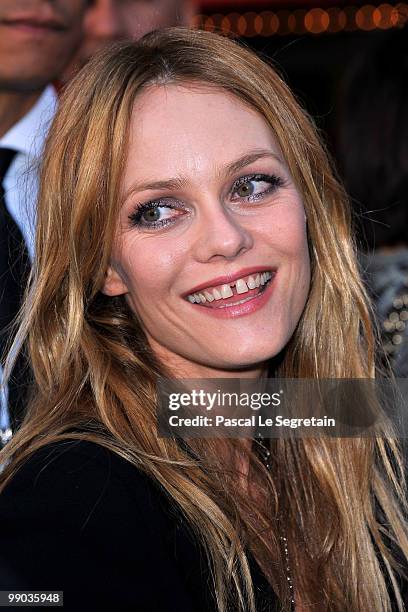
113,284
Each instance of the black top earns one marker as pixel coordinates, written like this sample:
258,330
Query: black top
78,518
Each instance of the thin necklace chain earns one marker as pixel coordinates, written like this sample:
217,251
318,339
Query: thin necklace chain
284,541
265,454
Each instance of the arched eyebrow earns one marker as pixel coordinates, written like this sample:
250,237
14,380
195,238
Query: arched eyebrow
250,158
177,183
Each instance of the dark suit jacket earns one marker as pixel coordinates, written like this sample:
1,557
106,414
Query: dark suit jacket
79,519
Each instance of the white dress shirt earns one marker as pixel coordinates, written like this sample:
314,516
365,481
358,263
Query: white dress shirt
27,137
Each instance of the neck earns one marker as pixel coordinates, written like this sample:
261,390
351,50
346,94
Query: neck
13,106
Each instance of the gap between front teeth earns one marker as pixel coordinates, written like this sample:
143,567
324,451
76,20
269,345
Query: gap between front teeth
225,291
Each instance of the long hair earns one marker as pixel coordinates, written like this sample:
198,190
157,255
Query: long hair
95,374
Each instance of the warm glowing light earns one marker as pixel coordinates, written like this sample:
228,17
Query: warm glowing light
250,20
313,21
266,23
274,24
317,21
241,26
233,20
209,24
198,22
258,24
292,23
364,18
337,20
296,21
383,16
225,25
402,12
396,17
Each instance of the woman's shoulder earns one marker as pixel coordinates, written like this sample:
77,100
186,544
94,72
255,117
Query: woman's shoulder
70,456
78,518
76,473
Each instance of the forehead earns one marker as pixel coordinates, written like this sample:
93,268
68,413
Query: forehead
179,128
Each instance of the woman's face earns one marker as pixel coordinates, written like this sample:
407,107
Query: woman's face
211,247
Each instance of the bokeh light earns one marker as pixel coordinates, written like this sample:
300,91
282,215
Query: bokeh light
314,21
317,21
364,18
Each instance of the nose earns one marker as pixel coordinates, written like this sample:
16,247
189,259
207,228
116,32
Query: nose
221,235
104,21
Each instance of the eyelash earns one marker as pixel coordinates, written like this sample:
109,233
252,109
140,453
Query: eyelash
136,216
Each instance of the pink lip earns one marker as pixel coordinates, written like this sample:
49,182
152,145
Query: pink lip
228,278
232,312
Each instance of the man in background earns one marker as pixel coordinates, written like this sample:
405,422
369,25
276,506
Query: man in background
38,38
109,21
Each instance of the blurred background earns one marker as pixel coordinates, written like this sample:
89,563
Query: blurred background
314,42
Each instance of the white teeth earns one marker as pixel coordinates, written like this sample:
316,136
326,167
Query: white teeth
208,296
247,299
226,291
241,286
265,276
251,283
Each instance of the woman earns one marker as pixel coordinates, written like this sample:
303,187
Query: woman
177,167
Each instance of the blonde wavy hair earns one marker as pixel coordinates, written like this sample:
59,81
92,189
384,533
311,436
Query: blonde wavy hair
95,374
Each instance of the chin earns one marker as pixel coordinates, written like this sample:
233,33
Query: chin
239,358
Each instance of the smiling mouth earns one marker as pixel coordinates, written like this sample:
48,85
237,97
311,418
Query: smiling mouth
226,295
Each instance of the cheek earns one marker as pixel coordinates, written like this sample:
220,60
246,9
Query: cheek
290,241
148,269
287,230
298,253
